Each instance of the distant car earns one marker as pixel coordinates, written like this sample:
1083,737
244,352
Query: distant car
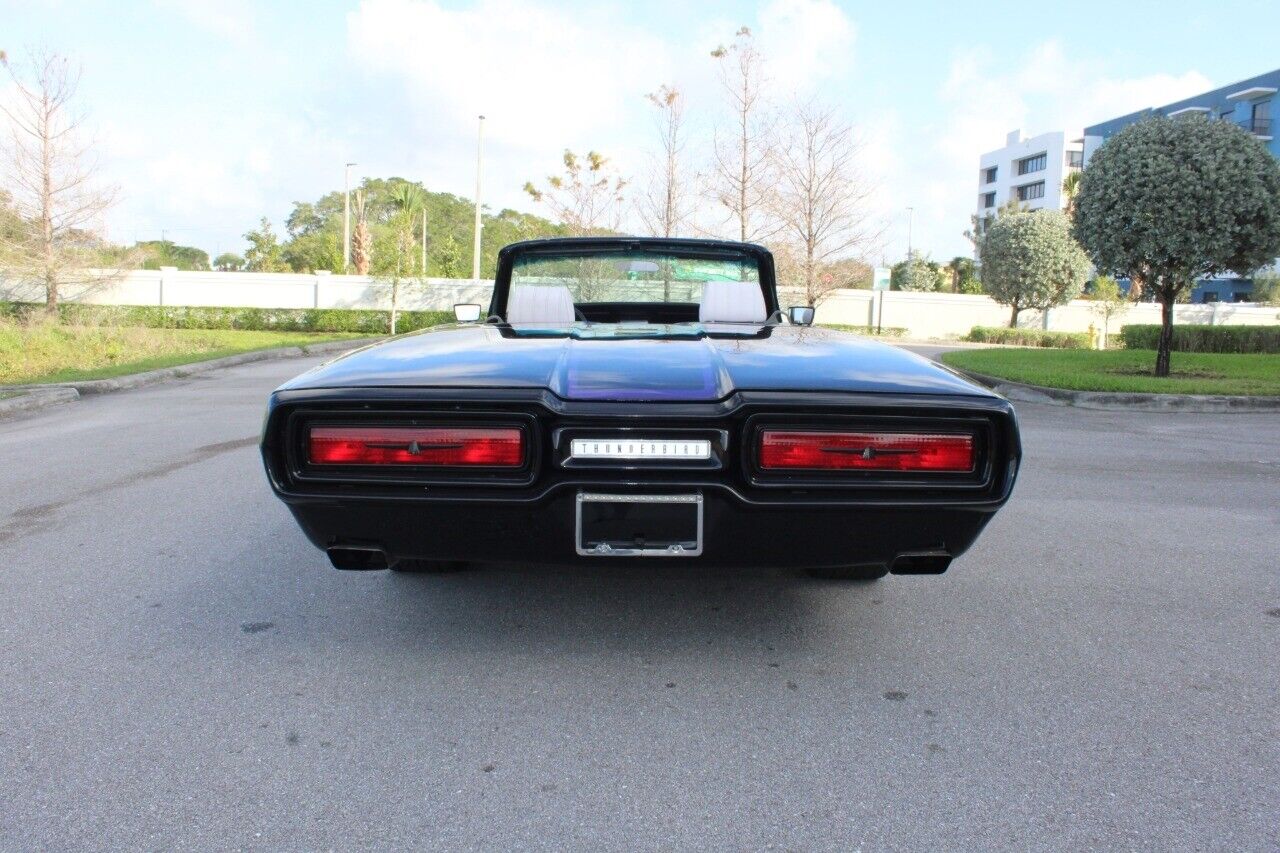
639,401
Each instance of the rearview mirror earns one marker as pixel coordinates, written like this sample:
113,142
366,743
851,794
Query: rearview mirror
466,312
800,315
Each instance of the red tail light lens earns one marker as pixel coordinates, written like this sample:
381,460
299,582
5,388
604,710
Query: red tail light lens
393,445
866,451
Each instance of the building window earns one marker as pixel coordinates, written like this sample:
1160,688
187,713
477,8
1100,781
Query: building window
1211,296
1260,118
1075,159
1242,296
1027,165
988,199
990,174
1027,192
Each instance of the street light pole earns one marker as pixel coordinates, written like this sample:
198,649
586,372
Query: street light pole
346,219
911,216
475,248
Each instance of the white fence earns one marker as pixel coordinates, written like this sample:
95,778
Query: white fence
924,315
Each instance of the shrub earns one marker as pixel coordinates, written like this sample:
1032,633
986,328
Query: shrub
1241,339
245,319
1029,337
885,331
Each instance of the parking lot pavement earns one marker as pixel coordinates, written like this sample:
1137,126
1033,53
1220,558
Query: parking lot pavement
179,668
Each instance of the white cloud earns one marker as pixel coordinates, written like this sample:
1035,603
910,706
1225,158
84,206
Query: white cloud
233,20
980,103
807,42
534,71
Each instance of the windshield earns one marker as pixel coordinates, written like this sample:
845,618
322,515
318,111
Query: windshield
653,277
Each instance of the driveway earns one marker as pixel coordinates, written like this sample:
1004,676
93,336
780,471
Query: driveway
179,668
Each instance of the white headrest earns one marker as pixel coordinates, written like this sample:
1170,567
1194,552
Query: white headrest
552,304
732,302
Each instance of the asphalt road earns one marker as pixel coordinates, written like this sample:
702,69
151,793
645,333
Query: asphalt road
180,669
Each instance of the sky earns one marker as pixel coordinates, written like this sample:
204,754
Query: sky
210,115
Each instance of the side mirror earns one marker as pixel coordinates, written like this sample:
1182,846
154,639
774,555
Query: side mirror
466,312
800,315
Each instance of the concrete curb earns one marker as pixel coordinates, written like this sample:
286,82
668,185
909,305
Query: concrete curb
35,400
1113,401
164,374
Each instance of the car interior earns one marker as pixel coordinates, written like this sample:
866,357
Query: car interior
722,302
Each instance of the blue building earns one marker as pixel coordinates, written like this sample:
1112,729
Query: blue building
1248,104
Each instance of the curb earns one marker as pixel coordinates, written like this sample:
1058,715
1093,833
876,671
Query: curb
34,396
1115,401
34,401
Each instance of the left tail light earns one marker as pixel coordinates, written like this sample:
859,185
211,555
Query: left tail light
495,447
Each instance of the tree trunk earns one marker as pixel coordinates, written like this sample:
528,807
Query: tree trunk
1013,317
395,300
51,295
1166,333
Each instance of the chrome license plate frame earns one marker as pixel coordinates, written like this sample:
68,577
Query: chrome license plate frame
682,548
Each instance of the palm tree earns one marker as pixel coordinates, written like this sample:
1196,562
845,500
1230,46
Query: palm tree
1070,189
408,201
361,239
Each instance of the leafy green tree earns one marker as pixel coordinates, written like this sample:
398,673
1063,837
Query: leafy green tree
228,262
264,253
1029,260
1169,201
918,273
1109,302
1266,287
979,224
960,271
315,230
447,255
166,253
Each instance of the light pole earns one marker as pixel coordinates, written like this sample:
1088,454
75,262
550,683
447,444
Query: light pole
475,248
346,218
911,216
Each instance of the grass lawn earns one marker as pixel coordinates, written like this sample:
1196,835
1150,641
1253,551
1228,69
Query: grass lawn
1126,370
52,353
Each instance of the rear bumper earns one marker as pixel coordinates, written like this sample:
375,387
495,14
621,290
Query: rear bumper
735,533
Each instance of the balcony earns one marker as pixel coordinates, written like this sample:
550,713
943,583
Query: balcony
1259,127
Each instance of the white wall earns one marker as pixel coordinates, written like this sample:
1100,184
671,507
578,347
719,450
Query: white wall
262,290
924,315
952,315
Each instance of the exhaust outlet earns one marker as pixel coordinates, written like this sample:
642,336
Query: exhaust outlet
357,558
921,563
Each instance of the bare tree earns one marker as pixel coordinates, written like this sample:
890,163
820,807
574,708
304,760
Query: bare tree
664,207
821,199
587,198
740,160
52,179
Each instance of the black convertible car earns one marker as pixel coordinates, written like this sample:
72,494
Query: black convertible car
639,400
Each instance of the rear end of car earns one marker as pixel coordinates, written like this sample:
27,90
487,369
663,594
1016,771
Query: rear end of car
760,478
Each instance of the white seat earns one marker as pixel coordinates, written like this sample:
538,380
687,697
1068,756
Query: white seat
732,302
551,304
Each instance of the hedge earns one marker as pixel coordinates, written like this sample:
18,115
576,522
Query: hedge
1029,337
1239,339
885,331
248,319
